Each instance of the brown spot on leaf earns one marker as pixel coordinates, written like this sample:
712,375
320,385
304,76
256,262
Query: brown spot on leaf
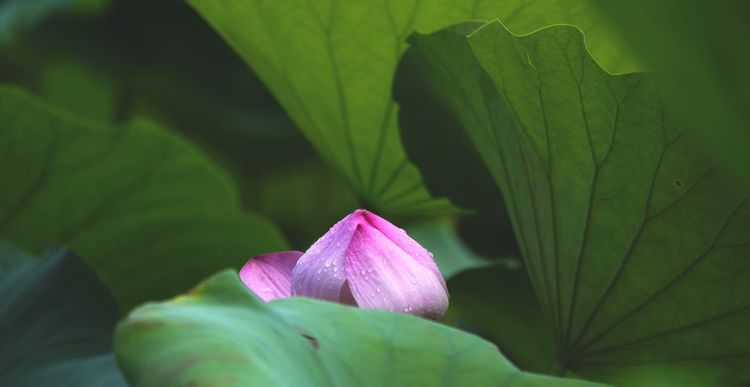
313,341
678,183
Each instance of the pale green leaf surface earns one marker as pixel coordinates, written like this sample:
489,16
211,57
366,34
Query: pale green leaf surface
221,335
331,65
148,212
636,243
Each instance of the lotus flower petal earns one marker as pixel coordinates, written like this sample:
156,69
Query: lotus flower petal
366,261
320,272
269,276
401,239
383,276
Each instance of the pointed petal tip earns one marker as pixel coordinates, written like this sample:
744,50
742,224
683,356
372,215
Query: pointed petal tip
405,242
383,276
269,275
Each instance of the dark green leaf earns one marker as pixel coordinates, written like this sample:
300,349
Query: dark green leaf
305,200
79,89
498,302
437,144
57,325
450,253
220,334
148,212
331,65
19,15
635,241
11,258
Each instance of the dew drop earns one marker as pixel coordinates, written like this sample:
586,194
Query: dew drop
362,271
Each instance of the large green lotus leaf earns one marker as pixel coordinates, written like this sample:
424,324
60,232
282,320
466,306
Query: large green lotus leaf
148,212
57,323
220,334
636,242
331,64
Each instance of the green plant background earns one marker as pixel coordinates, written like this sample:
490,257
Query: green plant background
590,218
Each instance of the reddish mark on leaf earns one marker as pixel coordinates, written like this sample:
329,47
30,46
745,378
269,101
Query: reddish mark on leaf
313,341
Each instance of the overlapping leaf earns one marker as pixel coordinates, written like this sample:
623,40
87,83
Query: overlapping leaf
220,334
331,63
148,212
636,242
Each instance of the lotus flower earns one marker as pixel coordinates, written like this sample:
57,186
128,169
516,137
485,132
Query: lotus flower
363,260
269,276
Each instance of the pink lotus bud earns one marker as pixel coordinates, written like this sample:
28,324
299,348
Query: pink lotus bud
365,260
269,275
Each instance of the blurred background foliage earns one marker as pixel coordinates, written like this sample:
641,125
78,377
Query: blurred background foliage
115,60
112,61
